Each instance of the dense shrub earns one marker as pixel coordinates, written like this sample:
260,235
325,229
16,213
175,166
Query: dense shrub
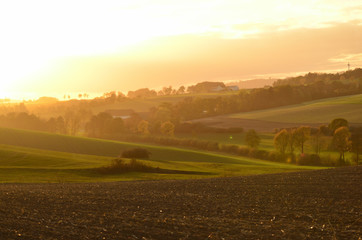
260,154
243,151
328,160
309,159
120,166
234,149
136,153
276,157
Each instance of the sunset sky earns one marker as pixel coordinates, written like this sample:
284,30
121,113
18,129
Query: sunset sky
56,47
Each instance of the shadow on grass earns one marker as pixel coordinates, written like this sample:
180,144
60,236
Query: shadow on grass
119,166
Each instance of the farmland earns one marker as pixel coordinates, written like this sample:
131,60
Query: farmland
312,113
324,204
29,156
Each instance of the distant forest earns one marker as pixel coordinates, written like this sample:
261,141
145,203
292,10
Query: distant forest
296,90
76,114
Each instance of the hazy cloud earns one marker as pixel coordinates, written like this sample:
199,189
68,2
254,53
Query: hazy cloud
187,59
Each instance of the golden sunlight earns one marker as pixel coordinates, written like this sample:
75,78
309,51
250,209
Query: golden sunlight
39,34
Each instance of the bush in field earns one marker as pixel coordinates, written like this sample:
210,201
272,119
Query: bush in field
213,146
290,158
276,157
260,154
234,149
243,151
309,159
120,166
136,153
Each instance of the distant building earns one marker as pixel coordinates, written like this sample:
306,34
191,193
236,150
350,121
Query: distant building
232,88
205,87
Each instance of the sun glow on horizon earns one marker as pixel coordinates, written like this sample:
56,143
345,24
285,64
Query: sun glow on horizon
38,35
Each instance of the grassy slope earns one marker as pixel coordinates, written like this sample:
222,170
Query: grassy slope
232,138
320,111
43,157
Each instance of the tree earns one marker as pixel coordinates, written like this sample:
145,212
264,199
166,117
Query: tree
168,128
52,125
181,90
167,90
317,141
301,136
292,142
252,139
341,142
337,123
72,120
60,124
142,127
116,126
132,122
98,125
356,138
281,140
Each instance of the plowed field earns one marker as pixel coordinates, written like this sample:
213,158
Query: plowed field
323,204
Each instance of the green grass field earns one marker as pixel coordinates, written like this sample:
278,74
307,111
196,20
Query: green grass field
27,156
267,143
232,138
320,111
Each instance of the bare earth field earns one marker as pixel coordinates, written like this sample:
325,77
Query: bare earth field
323,204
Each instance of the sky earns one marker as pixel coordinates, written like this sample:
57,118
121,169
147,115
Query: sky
52,48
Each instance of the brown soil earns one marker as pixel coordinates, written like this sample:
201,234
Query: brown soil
322,204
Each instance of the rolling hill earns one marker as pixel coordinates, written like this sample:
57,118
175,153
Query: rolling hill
312,113
29,156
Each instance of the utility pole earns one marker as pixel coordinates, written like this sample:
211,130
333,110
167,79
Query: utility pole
348,66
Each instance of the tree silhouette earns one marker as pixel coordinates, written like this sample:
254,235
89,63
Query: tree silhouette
337,123
252,139
168,128
142,127
341,142
281,140
301,136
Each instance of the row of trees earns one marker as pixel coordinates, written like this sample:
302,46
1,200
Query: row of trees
348,76
287,91
104,125
71,122
291,139
287,141
262,98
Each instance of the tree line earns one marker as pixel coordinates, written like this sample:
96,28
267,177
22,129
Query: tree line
286,141
289,143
